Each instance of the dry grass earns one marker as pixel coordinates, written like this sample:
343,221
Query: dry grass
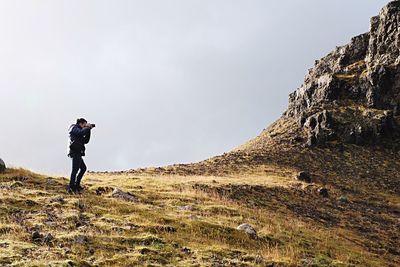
353,72
175,223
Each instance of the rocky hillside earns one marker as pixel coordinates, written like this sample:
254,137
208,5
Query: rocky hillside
342,127
319,187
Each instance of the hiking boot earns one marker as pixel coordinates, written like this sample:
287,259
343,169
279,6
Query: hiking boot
79,189
71,190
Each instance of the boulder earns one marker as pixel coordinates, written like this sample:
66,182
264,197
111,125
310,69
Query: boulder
304,177
118,193
248,229
36,236
2,166
323,192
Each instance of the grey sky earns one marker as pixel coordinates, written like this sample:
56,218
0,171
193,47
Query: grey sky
165,81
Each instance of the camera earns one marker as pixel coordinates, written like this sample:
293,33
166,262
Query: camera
93,125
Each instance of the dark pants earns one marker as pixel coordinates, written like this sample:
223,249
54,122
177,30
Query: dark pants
77,165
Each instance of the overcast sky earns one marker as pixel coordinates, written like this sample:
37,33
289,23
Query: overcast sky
166,82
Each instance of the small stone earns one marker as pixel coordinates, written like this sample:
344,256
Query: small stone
304,177
103,190
248,229
58,199
306,261
30,202
50,181
343,199
187,207
80,205
48,238
194,217
186,250
323,192
259,259
80,239
36,236
50,224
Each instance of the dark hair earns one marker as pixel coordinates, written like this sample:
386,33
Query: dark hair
81,120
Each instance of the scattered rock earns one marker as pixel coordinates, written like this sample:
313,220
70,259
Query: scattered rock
194,217
50,181
259,259
80,205
248,229
145,251
103,190
118,193
30,203
323,192
81,239
304,177
2,166
20,178
4,244
343,199
58,199
48,238
36,236
187,207
50,224
306,262
186,250
164,228
16,184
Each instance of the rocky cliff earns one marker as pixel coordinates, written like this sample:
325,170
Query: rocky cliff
353,94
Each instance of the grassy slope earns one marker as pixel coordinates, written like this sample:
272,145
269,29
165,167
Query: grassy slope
357,225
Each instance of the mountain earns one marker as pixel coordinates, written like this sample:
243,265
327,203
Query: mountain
318,187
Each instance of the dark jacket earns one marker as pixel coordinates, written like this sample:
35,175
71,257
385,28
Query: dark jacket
79,136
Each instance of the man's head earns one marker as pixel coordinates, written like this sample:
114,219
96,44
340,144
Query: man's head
81,122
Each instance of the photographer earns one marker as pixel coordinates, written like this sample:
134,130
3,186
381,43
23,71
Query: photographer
79,135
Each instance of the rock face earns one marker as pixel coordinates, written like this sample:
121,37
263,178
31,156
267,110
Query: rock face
353,94
2,166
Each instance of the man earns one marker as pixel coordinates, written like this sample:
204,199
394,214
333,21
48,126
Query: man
79,135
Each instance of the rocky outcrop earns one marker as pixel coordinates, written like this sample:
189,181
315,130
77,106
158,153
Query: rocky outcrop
353,94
